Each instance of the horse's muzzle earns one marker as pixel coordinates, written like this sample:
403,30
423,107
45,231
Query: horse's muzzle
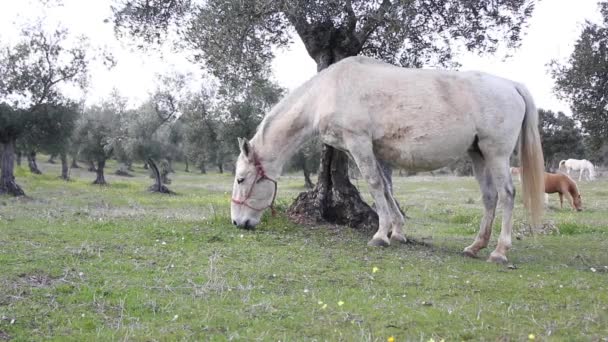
248,225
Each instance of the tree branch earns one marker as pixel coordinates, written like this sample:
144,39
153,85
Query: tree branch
373,21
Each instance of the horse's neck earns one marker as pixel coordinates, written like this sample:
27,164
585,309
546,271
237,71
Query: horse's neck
278,140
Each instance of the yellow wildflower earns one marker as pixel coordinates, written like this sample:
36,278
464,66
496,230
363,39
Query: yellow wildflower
390,339
531,337
340,303
375,269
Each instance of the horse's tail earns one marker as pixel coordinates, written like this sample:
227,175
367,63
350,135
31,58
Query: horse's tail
532,161
561,164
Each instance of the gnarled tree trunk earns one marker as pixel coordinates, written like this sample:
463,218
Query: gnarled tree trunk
92,166
65,170
75,164
334,199
7,164
100,179
187,169
158,183
31,162
18,153
51,159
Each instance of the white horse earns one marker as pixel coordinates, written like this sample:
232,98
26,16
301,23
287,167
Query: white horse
578,165
412,118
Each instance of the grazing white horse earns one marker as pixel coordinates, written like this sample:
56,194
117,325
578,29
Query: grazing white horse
578,165
411,118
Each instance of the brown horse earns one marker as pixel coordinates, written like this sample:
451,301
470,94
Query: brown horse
562,184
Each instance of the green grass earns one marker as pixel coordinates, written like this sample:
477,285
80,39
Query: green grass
80,262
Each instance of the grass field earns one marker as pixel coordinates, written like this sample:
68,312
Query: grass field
80,262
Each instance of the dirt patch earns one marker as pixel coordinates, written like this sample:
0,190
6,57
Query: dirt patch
4,336
548,228
37,279
19,288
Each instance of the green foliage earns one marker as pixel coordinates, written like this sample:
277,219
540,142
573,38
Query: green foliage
583,80
95,131
214,119
50,127
32,69
561,138
237,37
12,122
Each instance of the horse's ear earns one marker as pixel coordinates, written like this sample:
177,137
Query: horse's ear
244,146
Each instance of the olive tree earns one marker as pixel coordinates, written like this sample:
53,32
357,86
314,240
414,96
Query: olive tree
30,74
237,40
582,80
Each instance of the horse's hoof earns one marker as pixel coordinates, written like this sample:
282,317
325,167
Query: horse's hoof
498,258
398,238
469,253
378,242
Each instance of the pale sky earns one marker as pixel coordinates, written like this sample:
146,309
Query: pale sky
553,29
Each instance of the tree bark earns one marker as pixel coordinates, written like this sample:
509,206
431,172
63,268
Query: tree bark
187,166
51,159
92,166
202,167
307,181
74,164
158,184
19,157
31,162
65,170
220,166
7,178
100,180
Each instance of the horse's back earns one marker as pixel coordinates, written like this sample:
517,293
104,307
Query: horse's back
420,118
558,182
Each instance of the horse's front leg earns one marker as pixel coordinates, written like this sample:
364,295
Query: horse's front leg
397,218
363,155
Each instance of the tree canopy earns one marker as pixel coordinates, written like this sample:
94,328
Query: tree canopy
561,138
583,80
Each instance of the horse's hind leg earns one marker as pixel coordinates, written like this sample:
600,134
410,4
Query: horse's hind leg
397,219
361,151
499,169
490,198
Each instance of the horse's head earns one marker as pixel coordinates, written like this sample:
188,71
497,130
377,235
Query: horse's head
578,202
253,191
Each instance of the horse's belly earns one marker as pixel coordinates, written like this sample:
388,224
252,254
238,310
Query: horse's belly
423,153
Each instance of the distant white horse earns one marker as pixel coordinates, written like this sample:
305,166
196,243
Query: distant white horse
412,118
578,165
